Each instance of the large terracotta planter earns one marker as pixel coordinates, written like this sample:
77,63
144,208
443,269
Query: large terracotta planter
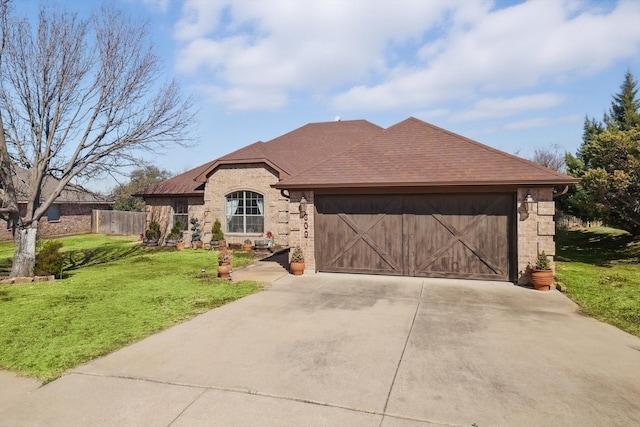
541,279
224,271
297,268
246,247
179,246
198,244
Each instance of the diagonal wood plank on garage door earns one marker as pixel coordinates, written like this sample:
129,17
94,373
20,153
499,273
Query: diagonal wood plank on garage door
466,236
358,234
463,237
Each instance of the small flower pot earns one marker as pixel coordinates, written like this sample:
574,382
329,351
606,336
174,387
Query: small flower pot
198,244
179,246
297,268
224,271
541,279
246,247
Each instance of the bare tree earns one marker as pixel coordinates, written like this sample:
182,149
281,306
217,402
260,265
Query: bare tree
80,98
8,200
552,158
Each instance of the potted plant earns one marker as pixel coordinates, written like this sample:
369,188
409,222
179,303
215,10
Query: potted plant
152,235
195,235
247,245
297,261
175,236
224,262
217,236
541,274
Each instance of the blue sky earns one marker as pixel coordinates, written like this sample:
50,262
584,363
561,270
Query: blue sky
515,75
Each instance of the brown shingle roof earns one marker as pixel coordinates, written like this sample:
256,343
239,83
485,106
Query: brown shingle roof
71,193
415,153
179,185
302,148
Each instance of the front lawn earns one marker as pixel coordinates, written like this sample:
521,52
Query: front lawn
113,293
600,268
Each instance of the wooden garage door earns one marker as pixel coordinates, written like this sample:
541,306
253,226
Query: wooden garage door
457,236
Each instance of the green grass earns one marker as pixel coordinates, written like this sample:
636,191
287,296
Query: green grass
600,268
113,293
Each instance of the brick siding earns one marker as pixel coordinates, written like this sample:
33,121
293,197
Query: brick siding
303,229
249,177
536,229
75,218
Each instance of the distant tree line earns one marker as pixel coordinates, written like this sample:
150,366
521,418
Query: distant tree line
608,164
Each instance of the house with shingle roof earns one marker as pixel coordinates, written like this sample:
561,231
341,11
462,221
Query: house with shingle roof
413,200
69,214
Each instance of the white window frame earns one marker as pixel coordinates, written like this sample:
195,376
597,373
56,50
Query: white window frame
244,212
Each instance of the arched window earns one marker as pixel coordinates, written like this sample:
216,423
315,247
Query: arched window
245,212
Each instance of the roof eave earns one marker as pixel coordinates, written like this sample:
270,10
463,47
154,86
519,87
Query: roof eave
204,175
187,194
546,183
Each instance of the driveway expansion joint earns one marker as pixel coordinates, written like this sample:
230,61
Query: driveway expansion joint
251,392
404,348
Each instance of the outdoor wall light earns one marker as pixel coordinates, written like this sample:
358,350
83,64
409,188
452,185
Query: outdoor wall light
527,204
303,206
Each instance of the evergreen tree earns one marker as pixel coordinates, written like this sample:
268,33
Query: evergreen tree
608,162
624,113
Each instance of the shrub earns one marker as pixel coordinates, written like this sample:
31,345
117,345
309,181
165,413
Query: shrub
224,256
176,232
297,255
542,262
153,232
49,259
216,231
195,228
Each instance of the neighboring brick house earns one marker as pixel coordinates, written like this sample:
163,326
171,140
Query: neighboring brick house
69,214
413,199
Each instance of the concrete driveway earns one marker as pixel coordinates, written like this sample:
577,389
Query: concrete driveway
347,350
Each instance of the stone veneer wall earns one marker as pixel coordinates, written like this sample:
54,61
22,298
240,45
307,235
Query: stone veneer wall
160,209
536,229
302,229
249,177
75,218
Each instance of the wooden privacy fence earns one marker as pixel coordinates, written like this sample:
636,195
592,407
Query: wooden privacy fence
566,221
117,222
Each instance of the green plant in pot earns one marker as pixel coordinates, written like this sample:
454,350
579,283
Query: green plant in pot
217,236
175,236
195,233
297,261
224,262
541,274
152,235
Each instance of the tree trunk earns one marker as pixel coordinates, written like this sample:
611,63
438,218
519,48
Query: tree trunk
24,259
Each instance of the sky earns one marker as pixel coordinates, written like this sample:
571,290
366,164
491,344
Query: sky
515,75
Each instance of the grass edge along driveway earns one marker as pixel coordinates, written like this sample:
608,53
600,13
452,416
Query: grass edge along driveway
600,268
113,293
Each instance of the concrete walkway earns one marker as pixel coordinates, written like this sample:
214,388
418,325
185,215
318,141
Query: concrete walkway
327,350
266,271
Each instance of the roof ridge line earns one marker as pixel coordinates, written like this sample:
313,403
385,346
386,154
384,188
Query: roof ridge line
336,154
502,153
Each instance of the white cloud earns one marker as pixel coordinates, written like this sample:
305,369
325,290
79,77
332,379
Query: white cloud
161,5
508,49
291,45
246,99
541,122
491,108
410,54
